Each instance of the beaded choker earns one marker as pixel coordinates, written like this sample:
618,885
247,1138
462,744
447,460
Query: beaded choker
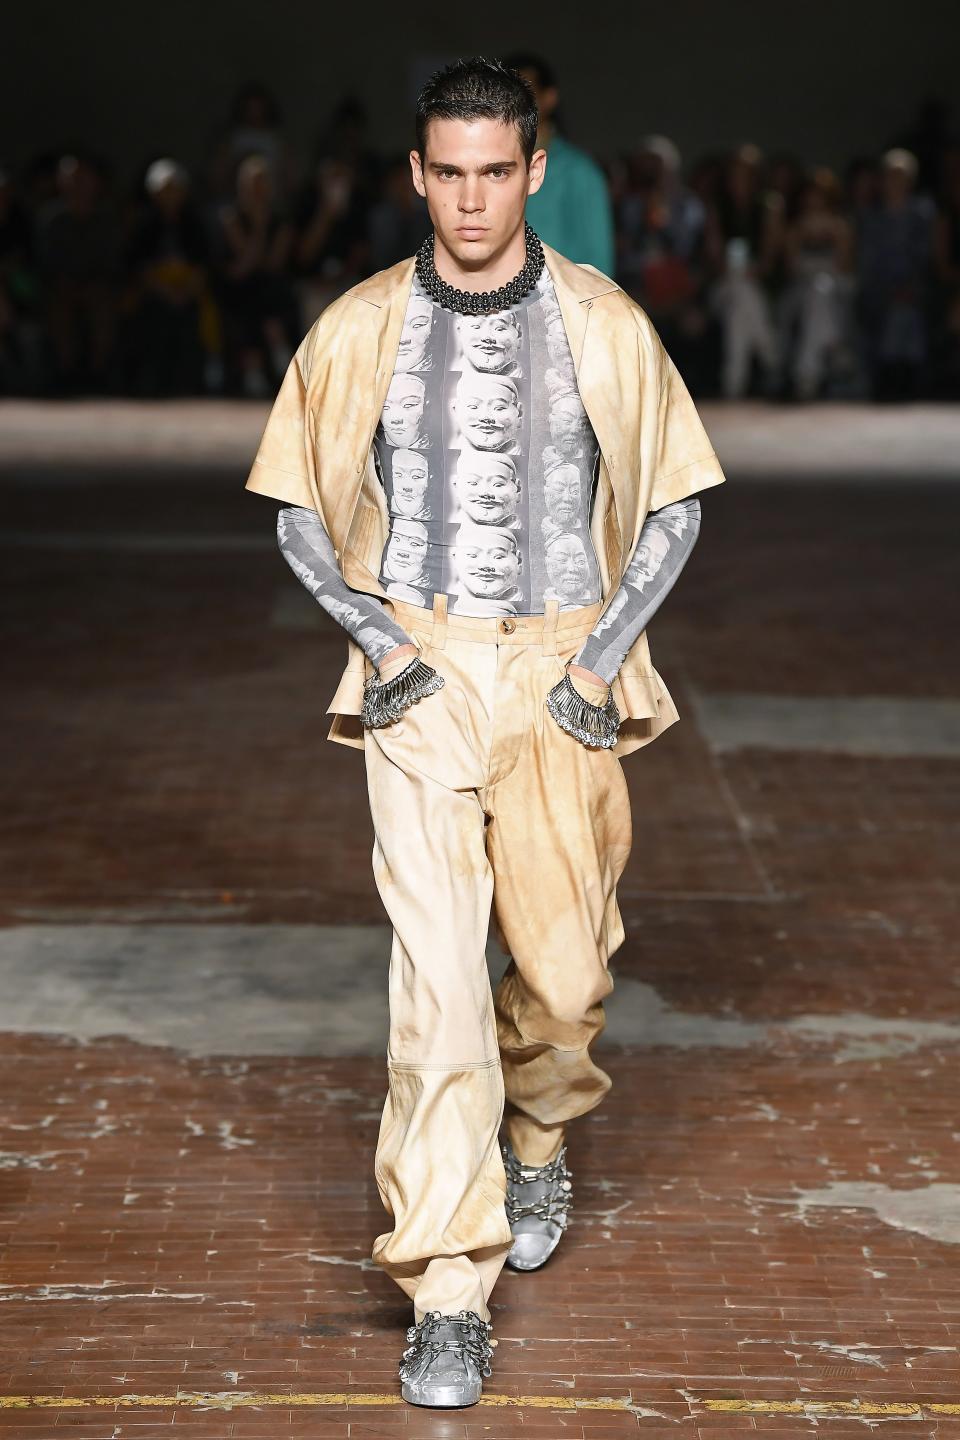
483,302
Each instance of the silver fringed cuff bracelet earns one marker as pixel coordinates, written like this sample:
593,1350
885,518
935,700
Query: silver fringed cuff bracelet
594,725
385,700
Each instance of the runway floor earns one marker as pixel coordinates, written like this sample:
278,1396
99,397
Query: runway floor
193,955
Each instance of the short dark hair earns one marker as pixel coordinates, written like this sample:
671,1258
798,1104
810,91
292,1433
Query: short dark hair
479,89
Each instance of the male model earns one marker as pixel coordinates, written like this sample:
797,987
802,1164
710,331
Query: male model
492,511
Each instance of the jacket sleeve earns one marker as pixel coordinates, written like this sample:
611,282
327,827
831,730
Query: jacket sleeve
684,460
280,467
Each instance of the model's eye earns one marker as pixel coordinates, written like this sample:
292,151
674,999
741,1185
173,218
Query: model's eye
497,172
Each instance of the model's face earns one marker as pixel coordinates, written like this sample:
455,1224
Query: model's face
403,409
488,412
567,566
490,342
488,564
475,182
648,558
415,335
405,554
489,492
561,491
568,425
410,477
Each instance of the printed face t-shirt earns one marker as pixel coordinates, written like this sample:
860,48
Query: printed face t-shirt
488,461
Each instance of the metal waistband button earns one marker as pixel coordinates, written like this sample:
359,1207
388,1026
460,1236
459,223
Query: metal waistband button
508,626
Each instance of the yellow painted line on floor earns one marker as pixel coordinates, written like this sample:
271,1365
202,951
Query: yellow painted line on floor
250,1399
244,1399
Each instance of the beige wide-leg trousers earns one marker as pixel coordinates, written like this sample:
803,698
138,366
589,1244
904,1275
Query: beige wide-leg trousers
479,797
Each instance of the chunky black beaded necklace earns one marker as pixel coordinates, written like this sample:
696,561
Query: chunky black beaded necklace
468,302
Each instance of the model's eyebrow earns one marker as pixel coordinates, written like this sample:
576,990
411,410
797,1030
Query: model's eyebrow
491,165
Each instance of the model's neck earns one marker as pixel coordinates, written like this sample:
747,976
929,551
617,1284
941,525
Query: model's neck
488,274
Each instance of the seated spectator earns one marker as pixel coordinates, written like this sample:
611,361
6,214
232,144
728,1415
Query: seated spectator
260,312
332,249
815,307
168,268
79,250
743,240
660,225
895,245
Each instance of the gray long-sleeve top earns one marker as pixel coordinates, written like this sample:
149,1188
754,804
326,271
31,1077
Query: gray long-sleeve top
664,544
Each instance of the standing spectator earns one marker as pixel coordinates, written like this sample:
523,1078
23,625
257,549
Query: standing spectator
895,261
261,316
815,308
168,270
571,211
744,237
79,249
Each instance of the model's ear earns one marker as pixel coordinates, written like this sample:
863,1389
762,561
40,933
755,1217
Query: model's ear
537,171
416,169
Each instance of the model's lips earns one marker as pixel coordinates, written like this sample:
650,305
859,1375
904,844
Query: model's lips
471,231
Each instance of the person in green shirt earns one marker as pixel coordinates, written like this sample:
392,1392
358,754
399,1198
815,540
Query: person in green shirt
571,211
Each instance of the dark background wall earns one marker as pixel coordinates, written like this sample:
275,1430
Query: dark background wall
827,79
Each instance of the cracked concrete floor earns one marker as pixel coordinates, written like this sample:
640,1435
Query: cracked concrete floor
192,959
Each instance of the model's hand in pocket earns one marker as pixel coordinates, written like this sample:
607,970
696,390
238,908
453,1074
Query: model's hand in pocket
585,707
402,678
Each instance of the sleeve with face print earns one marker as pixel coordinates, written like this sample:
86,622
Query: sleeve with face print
663,547
308,550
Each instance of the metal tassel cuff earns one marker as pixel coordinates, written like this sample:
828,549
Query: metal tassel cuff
593,725
385,700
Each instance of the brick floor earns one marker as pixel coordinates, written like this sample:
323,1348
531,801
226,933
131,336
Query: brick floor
768,1208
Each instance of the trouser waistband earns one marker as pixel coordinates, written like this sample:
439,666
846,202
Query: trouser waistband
546,630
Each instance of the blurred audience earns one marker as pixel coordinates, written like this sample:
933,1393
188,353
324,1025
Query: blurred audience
765,275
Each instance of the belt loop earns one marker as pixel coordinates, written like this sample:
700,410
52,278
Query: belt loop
551,614
438,636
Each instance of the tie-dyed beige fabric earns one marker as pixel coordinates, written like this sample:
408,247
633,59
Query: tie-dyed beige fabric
477,796
317,449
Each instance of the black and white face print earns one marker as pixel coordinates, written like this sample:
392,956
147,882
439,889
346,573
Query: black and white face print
488,488
414,352
491,343
489,412
569,569
488,566
410,475
405,553
402,420
651,551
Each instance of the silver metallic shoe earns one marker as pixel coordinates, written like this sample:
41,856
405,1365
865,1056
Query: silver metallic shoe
447,1361
538,1198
